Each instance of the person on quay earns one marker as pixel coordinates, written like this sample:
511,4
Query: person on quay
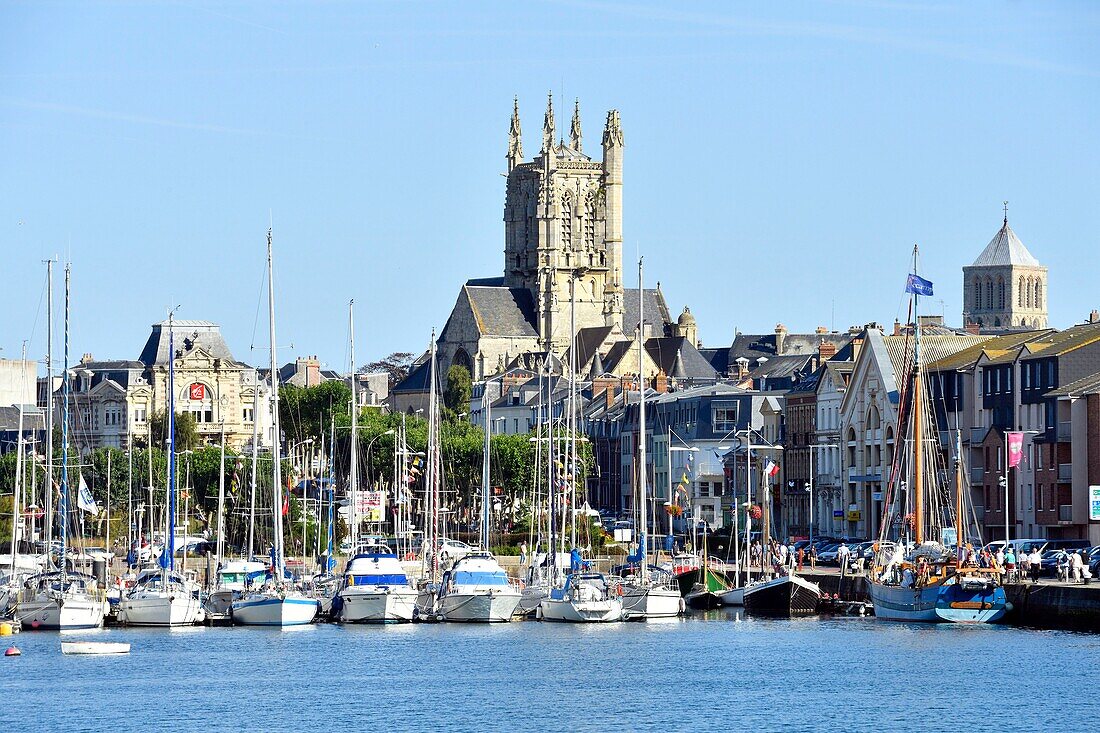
1010,564
813,557
842,554
1035,560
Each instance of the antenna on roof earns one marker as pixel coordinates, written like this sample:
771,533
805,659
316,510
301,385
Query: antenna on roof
1006,213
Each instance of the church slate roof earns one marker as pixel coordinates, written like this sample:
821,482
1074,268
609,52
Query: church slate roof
678,357
656,311
501,311
1005,249
188,335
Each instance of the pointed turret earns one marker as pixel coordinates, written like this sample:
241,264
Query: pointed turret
575,127
515,138
548,125
613,230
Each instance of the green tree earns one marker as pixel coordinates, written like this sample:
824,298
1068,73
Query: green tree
186,437
457,394
304,412
396,365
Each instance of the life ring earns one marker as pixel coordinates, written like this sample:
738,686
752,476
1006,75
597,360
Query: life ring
619,589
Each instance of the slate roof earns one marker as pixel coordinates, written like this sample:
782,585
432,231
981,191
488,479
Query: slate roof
656,311
588,343
119,371
501,311
677,357
934,348
33,418
188,335
1005,249
418,379
753,346
1061,342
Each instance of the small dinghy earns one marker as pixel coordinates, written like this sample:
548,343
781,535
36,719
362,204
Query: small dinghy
95,647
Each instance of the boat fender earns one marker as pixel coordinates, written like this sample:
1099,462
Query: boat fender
538,612
683,605
619,589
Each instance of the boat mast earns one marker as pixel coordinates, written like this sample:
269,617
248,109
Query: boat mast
19,469
571,475
959,523
918,448
170,512
63,505
255,458
643,494
49,402
278,563
487,407
221,503
353,469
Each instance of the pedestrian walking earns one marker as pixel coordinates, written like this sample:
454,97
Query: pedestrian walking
801,557
813,557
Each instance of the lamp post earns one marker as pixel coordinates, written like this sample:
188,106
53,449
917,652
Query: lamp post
810,521
374,440
684,449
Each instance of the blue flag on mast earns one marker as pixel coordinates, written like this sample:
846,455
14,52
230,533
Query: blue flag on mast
918,285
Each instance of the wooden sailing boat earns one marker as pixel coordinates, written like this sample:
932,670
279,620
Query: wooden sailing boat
915,576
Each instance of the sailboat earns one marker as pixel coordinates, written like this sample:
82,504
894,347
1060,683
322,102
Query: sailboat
374,587
476,587
60,599
164,598
428,586
915,575
275,603
646,597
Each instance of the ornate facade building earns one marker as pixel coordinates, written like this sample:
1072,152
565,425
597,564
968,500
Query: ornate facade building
1006,287
563,238
111,403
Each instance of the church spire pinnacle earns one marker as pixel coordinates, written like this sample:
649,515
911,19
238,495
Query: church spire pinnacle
548,124
1006,213
575,127
515,138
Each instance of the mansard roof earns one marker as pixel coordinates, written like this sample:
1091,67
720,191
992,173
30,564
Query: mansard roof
1005,249
188,335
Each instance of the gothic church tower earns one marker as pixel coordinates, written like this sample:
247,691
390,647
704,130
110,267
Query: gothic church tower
563,225
1006,287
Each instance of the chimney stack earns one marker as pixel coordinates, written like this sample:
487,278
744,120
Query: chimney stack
1094,316
821,330
897,327
826,350
973,328
780,338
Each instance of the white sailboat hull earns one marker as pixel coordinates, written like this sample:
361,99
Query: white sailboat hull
581,612
62,613
269,609
160,609
644,602
894,603
494,606
376,605
530,598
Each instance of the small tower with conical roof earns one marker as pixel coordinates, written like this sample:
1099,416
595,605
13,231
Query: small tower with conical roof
686,327
1006,287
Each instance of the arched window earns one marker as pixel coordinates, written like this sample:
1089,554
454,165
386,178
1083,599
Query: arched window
989,293
851,446
1027,293
873,418
977,293
567,220
1038,293
1020,293
1001,293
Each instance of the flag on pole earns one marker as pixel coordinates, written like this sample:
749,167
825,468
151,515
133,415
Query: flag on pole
1015,448
84,498
918,285
771,468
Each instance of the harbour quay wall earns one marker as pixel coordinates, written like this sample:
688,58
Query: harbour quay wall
1054,605
848,587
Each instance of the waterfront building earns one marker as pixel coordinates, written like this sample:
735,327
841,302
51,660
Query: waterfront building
869,414
1005,287
112,402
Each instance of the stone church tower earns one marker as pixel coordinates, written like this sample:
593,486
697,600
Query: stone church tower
1006,287
563,223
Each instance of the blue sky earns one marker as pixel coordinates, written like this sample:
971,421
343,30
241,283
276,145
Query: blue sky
781,158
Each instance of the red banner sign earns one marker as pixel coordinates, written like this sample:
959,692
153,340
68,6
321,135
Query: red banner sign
1015,449
197,392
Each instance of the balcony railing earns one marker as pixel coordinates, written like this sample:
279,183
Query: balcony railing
1065,471
1065,512
1065,431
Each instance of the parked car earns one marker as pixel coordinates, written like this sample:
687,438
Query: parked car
453,549
827,554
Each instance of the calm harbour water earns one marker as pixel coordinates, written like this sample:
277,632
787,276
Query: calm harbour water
720,672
